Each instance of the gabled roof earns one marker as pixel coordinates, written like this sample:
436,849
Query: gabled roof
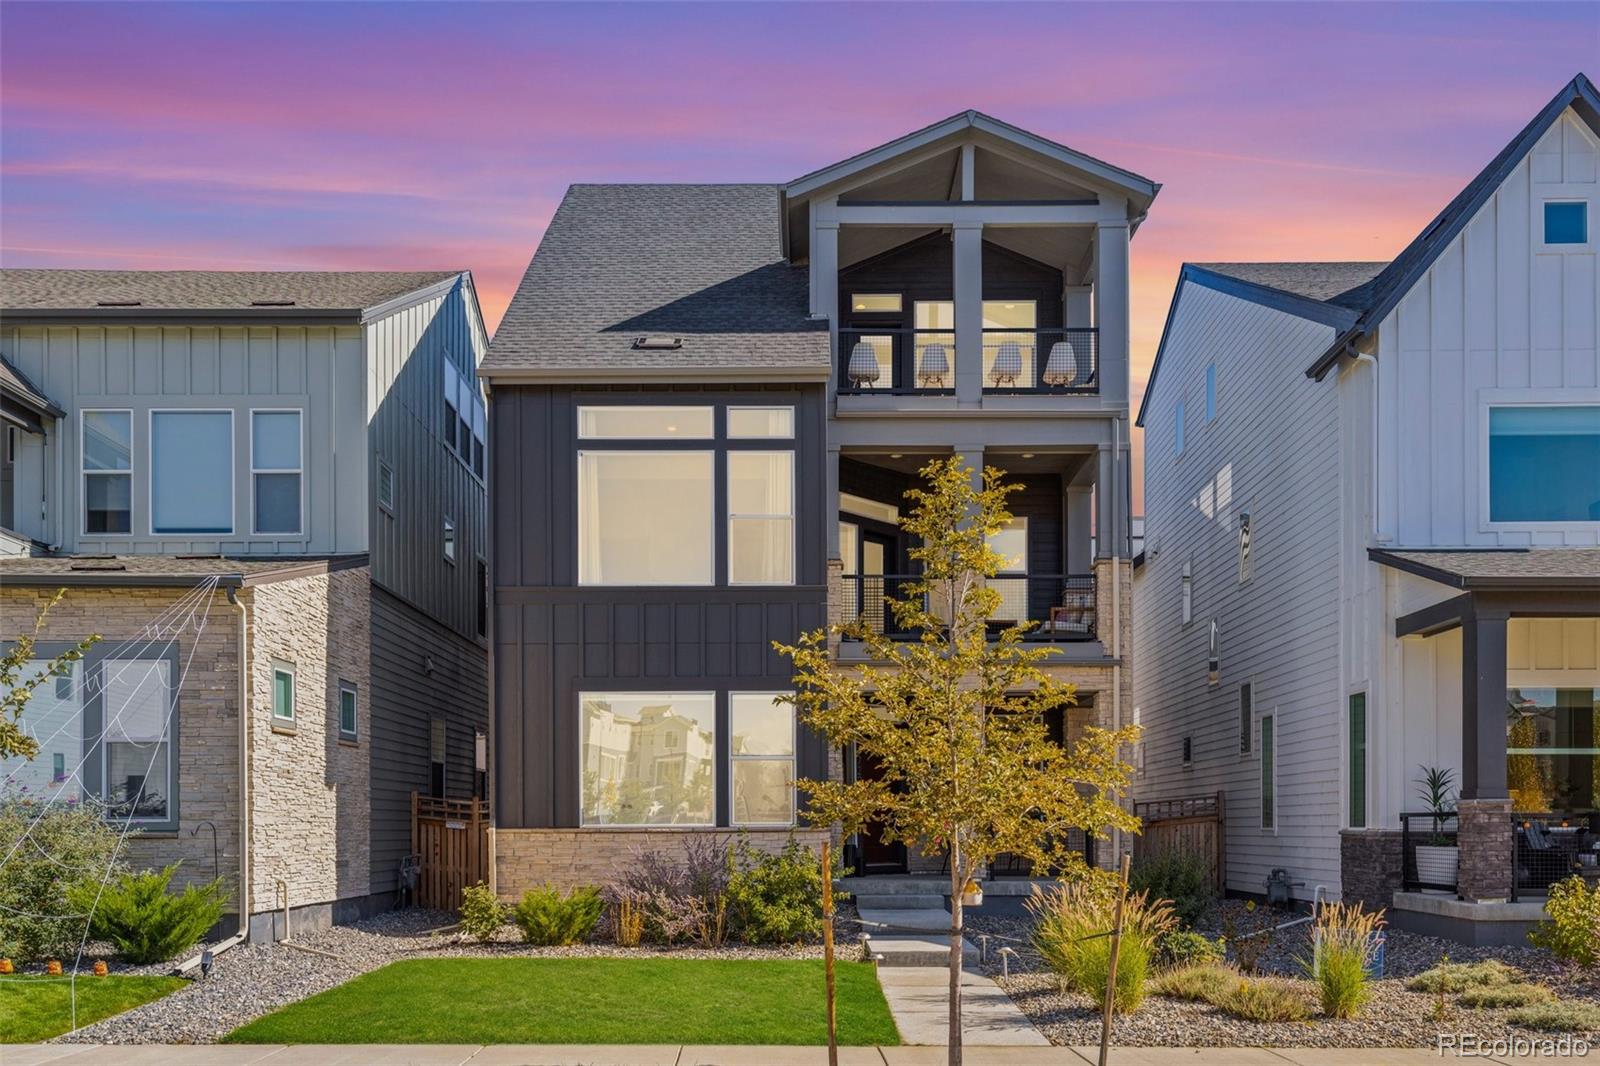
1380,296
16,387
697,263
355,295
1321,292
1135,184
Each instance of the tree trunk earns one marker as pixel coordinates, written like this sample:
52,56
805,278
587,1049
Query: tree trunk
957,886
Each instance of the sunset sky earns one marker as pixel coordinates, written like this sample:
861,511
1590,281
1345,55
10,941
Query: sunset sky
409,135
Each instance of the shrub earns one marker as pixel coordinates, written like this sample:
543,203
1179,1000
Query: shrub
1182,877
1560,1015
775,897
1249,934
1345,937
627,921
144,921
51,849
1573,931
1264,1000
1505,996
1065,923
1185,947
482,913
548,918
1460,976
677,894
1197,983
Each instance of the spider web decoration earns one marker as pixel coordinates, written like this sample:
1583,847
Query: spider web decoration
187,616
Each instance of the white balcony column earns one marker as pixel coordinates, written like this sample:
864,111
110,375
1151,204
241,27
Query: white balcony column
968,287
1111,309
824,265
1080,529
1078,303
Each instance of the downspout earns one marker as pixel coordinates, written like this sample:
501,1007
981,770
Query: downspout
243,933
1116,598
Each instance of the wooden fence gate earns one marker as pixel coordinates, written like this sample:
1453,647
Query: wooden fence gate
1187,824
450,839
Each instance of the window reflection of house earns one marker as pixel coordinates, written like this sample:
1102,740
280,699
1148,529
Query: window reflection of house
648,762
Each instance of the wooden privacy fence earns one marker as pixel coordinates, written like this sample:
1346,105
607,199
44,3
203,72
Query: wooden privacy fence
450,839
1192,824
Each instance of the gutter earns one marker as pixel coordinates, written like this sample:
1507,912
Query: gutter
243,934
634,375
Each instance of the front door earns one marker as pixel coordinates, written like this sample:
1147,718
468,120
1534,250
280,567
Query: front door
877,857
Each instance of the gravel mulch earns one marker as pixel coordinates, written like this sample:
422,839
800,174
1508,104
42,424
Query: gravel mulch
249,981
1394,1017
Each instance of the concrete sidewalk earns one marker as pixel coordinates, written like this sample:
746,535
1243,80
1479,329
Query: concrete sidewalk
693,1055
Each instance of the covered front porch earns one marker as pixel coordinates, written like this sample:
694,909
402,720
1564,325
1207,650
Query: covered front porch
1524,626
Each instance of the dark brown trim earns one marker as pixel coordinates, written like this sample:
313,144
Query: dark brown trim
1438,618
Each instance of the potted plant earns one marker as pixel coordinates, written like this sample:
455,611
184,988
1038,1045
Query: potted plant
1438,859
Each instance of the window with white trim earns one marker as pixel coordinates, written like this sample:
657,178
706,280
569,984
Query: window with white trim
276,461
1186,595
106,462
760,518
348,724
1566,222
761,750
386,486
1269,771
191,472
464,420
1544,463
137,701
283,691
449,539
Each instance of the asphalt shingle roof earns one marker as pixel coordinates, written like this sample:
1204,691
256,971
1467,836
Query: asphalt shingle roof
172,570
1499,567
1336,283
16,383
23,290
699,262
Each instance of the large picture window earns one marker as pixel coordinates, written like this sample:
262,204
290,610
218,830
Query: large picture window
645,518
1544,463
761,518
761,743
648,758
136,748
191,472
275,471
1553,749
107,464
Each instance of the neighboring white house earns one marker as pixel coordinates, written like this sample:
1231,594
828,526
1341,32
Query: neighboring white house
1373,546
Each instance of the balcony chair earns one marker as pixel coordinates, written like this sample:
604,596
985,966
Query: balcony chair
864,369
1007,364
933,367
1074,617
1061,368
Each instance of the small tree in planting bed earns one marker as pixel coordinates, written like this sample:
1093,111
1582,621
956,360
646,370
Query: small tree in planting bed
956,716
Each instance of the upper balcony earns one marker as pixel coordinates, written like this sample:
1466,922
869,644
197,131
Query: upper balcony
1016,361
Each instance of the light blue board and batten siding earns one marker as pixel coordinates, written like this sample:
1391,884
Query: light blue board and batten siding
1500,317
143,368
405,356
1272,451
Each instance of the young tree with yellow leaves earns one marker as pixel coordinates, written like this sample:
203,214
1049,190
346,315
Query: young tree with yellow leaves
955,715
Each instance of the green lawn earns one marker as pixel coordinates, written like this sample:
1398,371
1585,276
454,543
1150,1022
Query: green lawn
584,1001
37,1008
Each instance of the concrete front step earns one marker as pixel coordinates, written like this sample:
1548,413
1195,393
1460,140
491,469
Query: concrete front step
900,901
895,885
897,949
903,919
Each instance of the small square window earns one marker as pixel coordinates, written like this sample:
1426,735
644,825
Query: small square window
283,692
347,710
1566,222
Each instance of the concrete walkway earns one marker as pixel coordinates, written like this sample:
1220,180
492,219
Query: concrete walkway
690,1055
919,1000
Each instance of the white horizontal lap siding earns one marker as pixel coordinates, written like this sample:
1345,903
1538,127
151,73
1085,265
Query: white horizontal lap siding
145,368
1275,442
1498,316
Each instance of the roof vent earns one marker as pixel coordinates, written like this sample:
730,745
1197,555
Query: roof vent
271,303
657,342
118,303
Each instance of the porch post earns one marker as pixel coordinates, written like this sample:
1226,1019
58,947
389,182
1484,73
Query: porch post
1080,528
967,238
1483,814
1105,506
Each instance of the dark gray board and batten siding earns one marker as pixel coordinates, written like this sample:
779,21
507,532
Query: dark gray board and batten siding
553,639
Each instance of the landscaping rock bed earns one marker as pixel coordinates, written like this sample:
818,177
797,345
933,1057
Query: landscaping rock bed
256,979
1395,1017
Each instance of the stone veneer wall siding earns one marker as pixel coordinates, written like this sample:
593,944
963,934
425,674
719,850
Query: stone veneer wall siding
208,724
1370,866
310,800
1484,837
527,858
